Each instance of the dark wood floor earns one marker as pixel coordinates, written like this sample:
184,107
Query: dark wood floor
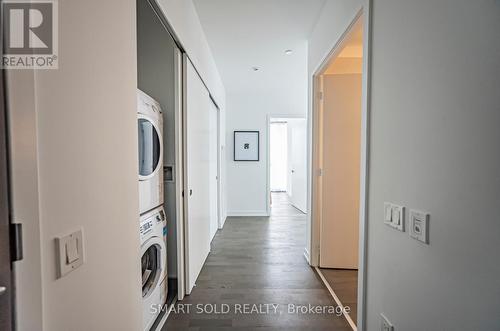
345,285
259,260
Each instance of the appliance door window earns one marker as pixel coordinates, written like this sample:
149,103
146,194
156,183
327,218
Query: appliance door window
149,148
150,265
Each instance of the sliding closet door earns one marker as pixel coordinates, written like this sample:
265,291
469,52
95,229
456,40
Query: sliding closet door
197,175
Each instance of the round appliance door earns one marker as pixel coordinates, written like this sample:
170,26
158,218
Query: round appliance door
152,265
150,147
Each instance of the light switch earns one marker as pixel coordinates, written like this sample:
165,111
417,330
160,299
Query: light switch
385,324
394,216
70,252
387,213
398,221
419,226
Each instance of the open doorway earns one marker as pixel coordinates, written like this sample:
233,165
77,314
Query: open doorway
287,162
337,156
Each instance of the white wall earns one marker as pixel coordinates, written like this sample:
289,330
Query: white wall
435,102
184,20
249,110
86,149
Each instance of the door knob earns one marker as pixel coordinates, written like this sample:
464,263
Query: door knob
190,192
2,289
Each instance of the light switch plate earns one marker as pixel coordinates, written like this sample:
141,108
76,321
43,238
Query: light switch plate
70,252
394,216
385,325
419,226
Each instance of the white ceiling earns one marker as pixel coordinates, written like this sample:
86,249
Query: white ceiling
255,33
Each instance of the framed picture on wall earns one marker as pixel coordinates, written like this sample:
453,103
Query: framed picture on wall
246,145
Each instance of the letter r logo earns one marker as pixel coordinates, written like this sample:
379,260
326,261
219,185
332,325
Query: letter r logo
28,27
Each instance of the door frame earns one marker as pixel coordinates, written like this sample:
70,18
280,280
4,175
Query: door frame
7,281
179,171
218,170
220,221
363,15
268,153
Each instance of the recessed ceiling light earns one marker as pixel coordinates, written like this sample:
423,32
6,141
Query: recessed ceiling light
288,52
255,68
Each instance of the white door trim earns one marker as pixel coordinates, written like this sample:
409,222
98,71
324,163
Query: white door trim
363,13
268,155
179,172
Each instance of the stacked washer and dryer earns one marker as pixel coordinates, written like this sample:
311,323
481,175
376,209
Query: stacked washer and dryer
152,225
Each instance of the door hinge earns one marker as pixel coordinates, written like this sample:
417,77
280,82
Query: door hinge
16,242
320,172
320,95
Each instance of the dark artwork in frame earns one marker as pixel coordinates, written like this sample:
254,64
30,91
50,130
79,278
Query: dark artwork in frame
246,146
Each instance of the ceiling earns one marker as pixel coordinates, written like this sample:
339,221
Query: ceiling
243,34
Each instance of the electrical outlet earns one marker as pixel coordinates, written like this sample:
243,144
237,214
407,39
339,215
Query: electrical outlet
419,226
385,325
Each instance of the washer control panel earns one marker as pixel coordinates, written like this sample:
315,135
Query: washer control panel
146,227
155,221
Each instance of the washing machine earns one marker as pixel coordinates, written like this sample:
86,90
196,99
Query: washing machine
150,129
153,264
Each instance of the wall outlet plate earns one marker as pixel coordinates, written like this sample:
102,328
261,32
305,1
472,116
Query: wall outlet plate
419,226
385,325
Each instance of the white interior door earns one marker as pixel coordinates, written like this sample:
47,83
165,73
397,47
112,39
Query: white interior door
213,164
197,173
341,171
297,152
278,156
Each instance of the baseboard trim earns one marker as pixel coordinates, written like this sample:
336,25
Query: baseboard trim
248,213
336,299
163,319
307,256
224,218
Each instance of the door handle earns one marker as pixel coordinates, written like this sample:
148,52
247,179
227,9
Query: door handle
190,192
3,289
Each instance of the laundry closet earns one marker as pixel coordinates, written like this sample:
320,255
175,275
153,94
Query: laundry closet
179,165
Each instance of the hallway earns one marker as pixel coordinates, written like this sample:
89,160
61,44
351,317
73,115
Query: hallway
258,260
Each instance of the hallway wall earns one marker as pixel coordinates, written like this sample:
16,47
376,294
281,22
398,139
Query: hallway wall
435,101
246,181
79,156
434,147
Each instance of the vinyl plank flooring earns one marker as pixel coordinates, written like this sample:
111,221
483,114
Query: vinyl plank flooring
256,261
